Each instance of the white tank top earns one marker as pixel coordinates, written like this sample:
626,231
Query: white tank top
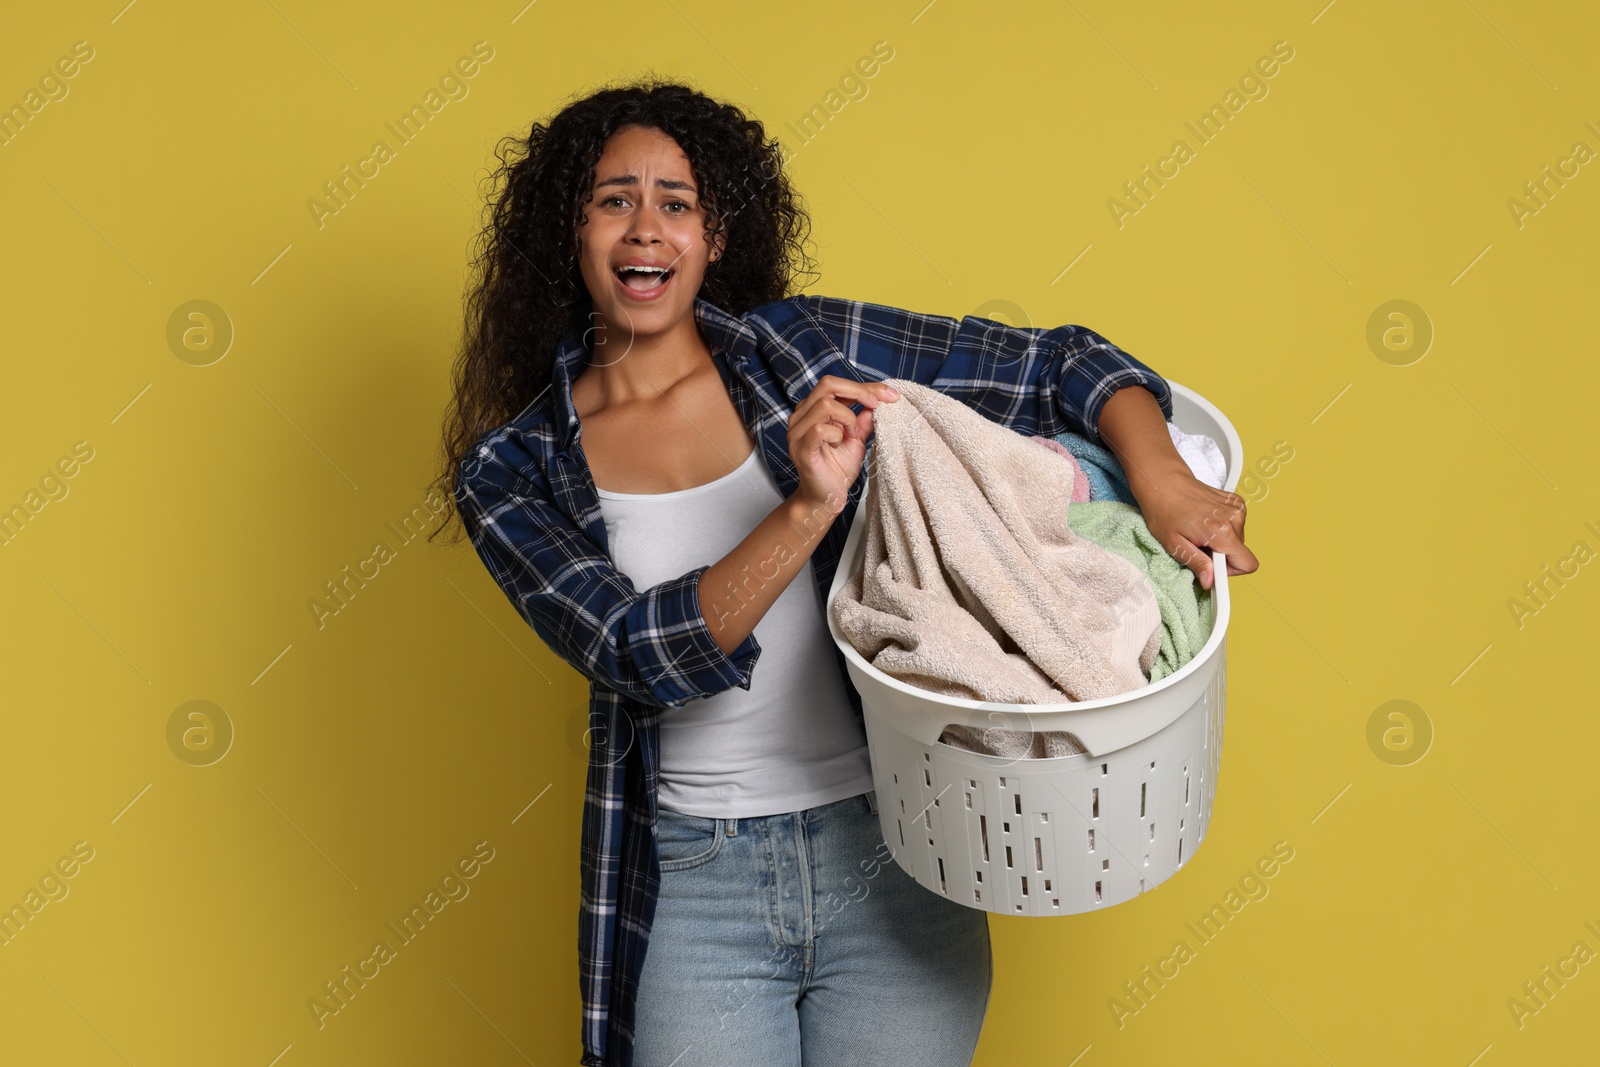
790,741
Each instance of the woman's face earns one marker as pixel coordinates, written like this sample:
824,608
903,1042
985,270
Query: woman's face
645,211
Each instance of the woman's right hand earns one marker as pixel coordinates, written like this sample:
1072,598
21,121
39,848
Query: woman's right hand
827,442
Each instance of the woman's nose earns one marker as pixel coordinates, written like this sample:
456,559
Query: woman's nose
642,226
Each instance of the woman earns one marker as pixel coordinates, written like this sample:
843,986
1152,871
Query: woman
651,440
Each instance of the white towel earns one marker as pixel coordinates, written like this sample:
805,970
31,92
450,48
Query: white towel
1201,454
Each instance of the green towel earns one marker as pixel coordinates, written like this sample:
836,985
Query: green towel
1187,612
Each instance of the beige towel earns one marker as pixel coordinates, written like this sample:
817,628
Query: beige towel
973,585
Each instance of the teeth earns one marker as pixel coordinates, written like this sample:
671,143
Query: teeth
653,277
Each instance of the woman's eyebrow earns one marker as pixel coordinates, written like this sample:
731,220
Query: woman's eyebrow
633,179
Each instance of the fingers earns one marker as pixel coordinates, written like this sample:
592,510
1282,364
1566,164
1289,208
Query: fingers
1197,558
844,391
864,424
1219,529
829,423
1226,512
827,440
1240,559
828,410
1234,571
1194,557
1227,536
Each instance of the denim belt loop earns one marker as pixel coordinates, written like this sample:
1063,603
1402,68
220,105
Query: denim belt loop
729,827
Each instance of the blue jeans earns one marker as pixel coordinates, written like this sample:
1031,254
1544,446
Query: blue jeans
795,940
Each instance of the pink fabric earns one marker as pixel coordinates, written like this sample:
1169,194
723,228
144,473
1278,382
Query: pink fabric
1080,480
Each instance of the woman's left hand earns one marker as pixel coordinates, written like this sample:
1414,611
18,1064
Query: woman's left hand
1191,520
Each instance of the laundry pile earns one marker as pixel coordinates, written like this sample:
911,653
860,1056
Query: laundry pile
1103,478
998,570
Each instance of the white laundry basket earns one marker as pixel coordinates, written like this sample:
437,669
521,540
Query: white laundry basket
1051,836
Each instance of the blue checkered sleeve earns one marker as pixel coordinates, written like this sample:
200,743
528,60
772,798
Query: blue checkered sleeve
1031,379
651,645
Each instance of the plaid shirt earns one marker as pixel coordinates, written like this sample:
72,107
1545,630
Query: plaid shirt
528,502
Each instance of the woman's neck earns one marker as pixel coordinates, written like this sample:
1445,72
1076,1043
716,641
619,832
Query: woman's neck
628,368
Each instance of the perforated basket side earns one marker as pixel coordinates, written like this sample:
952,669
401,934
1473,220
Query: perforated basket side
1049,837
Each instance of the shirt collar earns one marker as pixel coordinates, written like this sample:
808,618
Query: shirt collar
731,339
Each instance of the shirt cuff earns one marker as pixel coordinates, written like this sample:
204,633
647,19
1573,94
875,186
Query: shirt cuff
1115,379
688,661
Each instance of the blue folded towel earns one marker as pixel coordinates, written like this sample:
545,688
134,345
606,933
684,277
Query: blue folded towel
1106,479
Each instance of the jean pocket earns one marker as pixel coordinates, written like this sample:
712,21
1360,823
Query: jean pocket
686,841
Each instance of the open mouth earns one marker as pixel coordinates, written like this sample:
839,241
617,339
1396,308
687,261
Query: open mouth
644,279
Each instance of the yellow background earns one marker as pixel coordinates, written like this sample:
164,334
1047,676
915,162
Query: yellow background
373,753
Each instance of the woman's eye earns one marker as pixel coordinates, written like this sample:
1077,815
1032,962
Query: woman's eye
608,201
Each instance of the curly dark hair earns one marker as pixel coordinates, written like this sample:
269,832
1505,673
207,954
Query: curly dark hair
528,293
